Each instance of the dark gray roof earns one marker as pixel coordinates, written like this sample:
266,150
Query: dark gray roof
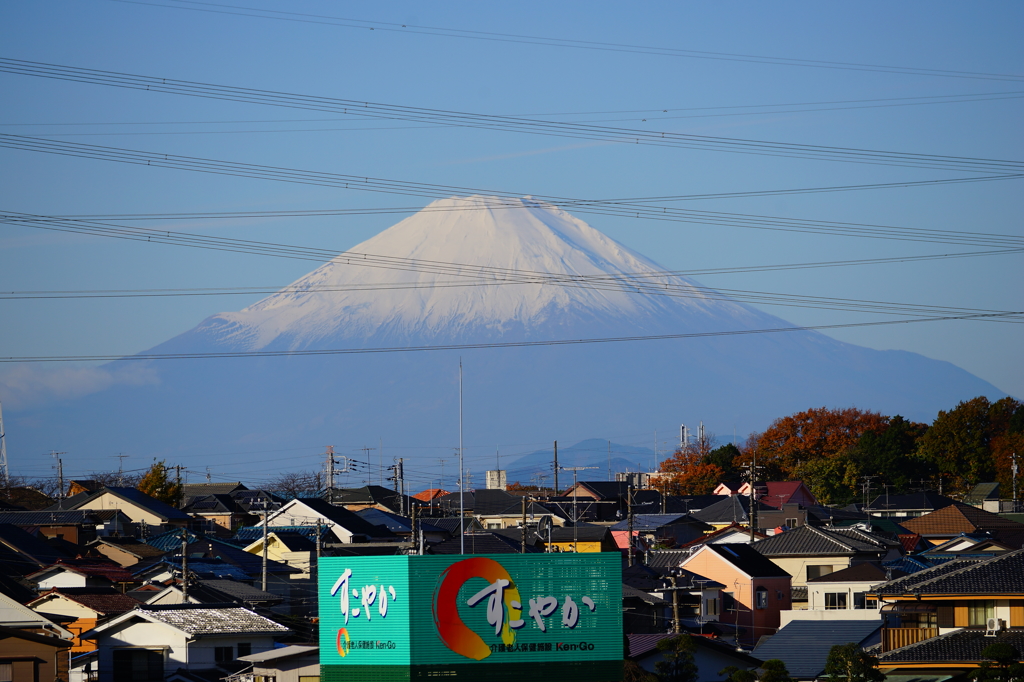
632,592
583,532
656,521
982,492
481,543
210,504
730,509
203,489
232,591
748,560
1001,574
68,517
370,495
959,646
667,558
803,645
858,573
345,518
165,511
811,541
928,500
451,524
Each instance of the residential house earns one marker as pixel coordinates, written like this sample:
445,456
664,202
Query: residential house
372,497
808,552
733,510
846,594
203,489
294,663
81,573
212,592
29,657
965,546
86,606
710,655
664,530
147,513
17,616
149,643
778,493
481,543
755,592
401,526
694,599
948,613
22,553
583,537
644,612
733,533
124,551
79,527
804,645
293,549
497,509
907,506
346,526
947,523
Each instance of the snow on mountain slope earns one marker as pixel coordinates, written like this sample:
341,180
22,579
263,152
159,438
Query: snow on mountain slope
423,297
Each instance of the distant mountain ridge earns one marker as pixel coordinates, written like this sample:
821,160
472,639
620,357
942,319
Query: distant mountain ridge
443,278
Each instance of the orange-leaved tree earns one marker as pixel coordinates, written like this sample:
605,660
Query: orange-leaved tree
689,473
807,436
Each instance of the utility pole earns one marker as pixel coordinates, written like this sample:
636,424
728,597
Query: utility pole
462,486
4,471
557,489
1012,469
316,566
401,486
522,548
629,522
184,565
609,460
177,482
575,514
266,510
330,474
675,605
412,514
752,470
60,473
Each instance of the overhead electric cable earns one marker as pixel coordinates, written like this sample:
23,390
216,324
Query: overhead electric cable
654,283
497,199
476,346
509,123
298,17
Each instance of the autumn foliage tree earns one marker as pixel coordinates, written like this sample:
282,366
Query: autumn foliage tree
156,484
690,474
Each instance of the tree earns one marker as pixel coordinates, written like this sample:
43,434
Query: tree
1004,666
690,475
850,663
724,457
156,484
678,664
890,454
297,483
832,480
774,670
814,434
522,487
734,674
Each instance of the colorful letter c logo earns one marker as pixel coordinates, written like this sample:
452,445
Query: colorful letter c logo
454,633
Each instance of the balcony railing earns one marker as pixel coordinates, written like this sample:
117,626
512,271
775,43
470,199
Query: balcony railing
894,638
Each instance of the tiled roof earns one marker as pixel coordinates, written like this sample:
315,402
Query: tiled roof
803,645
748,560
215,621
131,545
341,516
47,518
732,509
667,558
203,489
858,573
451,524
171,539
583,532
960,518
959,646
481,543
104,600
928,499
656,521
1001,574
781,492
91,567
430,494
249,534
233,590
210,504
605,490
165,511
811,541
642,644
711,537
982,492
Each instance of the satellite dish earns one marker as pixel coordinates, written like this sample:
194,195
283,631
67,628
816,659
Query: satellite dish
544,526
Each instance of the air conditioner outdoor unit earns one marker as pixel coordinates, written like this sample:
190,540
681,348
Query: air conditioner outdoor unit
993,626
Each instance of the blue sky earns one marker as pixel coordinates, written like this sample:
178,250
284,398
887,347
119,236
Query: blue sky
741,97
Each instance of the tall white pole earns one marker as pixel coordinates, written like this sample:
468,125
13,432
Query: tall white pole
462,475
4,472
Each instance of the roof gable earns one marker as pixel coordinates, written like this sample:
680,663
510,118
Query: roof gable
348,520
744,558
803,645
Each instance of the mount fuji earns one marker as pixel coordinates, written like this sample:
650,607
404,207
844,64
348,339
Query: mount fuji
472,271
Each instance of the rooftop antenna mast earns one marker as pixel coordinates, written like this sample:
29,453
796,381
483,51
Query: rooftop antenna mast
120,468
4,473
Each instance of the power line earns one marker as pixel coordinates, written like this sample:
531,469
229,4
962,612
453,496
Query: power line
476,346
501,199
298,17
506,123
648,283
274,289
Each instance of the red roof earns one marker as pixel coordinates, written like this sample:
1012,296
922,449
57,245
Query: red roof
783,492
430,494
909,542
105,602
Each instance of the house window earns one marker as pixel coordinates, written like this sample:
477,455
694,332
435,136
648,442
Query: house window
138,665
861,600
761,598
711,607
791,523
835,600
223,654
980,610
309,678
6,672
818,571
244,649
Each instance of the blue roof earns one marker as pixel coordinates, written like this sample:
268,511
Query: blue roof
249,534
393,522
803,645
171,539
650,521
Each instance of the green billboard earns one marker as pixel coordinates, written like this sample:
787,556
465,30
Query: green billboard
495,617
